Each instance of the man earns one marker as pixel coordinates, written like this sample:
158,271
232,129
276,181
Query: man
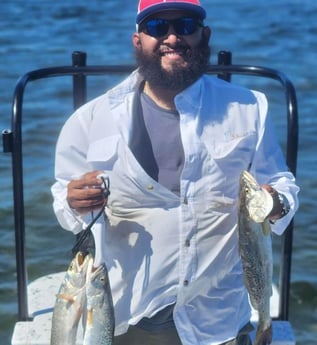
173,142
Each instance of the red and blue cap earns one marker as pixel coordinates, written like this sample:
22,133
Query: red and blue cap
148,7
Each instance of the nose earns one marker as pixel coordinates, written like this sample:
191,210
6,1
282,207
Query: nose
171,37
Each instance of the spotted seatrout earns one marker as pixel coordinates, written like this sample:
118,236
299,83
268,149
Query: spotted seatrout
255,245
100,312
70,301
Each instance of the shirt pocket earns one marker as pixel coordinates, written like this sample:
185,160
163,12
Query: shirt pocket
104,151
235,145
230,157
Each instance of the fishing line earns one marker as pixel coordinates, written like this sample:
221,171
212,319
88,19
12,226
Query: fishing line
86,233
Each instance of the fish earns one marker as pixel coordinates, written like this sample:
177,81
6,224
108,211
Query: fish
70,301
100,321
255,247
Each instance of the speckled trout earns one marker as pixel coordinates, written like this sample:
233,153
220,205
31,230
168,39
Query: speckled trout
255,246
70,301
99,329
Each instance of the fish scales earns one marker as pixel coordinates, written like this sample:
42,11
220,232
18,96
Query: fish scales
100,312
70,302
255,245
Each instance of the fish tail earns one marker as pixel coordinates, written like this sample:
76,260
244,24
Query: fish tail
264,336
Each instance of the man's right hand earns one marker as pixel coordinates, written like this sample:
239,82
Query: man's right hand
86,193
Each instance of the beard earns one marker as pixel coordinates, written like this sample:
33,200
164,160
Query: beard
179,77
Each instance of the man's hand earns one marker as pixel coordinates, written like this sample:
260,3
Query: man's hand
86,193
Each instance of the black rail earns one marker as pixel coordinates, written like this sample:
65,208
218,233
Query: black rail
12,142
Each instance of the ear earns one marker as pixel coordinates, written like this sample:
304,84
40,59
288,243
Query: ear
206,33
136,40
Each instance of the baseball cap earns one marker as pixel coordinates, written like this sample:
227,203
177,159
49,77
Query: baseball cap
149,7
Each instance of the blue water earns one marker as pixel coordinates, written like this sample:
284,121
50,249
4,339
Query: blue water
34,34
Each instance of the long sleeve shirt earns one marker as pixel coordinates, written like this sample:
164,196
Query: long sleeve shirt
161,248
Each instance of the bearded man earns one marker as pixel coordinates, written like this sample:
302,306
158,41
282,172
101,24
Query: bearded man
173,142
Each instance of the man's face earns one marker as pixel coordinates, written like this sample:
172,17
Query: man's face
172,61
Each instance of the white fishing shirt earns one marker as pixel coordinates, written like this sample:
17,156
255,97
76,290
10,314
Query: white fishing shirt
159,248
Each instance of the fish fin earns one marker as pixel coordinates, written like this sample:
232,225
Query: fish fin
66,297
89,317
266,228
253,302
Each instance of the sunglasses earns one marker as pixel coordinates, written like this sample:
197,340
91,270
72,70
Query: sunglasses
159,27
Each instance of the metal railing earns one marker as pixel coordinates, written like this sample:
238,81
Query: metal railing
12,143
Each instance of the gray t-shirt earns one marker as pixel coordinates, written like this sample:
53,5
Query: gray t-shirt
157,143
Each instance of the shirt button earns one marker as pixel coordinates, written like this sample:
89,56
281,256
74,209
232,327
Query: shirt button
186,282
150,187
187,243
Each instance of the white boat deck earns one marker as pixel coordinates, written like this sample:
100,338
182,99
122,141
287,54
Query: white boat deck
40,306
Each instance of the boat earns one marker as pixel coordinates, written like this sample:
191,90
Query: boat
36,299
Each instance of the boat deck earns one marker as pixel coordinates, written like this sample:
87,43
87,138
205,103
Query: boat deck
37,331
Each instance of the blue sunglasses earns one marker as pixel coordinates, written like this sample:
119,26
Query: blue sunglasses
159,27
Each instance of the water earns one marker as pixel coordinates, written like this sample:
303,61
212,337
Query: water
34,34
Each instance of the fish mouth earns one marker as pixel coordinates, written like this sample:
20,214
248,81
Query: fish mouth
81,260
95,271
248,180
257,201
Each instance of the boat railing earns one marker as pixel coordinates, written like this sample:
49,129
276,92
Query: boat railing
12,143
